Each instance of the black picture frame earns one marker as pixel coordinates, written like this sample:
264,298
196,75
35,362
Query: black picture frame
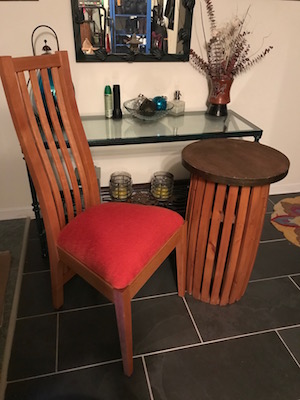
155,56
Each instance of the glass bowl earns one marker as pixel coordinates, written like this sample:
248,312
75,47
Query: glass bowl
132,106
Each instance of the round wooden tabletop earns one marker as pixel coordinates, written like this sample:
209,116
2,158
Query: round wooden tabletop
235,162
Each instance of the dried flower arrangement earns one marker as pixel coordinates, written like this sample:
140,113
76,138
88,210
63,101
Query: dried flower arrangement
227,50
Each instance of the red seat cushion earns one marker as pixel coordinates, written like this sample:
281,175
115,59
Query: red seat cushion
116,240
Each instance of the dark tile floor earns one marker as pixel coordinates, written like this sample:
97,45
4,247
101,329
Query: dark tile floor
11,239
183,349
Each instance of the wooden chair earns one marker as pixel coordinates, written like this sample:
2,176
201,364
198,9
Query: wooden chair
114,246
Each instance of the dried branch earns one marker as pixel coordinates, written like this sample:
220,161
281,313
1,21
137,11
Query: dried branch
211,14
227,50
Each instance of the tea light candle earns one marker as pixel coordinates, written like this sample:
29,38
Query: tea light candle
120,185
162,185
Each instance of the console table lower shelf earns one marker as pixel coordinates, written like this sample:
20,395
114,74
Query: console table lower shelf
141,195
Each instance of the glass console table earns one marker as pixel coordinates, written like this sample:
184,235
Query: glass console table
129,130
190,126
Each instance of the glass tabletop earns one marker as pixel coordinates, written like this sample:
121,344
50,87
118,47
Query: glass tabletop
101,131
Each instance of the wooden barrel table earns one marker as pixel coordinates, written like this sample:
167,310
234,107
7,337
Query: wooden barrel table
227,201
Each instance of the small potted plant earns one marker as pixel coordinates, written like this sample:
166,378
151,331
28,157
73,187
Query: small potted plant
227,55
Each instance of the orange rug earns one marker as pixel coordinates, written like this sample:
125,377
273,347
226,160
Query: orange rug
286,218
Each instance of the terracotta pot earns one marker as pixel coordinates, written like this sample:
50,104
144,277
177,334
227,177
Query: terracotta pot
219,96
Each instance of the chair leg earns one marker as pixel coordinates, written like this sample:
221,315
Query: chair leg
57,299
181,260
122,303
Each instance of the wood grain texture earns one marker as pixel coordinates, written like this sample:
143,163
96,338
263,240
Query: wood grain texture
235,162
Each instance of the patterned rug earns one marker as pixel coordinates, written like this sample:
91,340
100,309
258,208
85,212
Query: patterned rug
286,218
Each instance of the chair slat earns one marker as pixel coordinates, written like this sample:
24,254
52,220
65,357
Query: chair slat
12,87
91,192
73,148
47,131
38,139
68,169
58,161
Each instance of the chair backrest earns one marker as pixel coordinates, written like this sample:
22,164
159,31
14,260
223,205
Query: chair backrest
41,99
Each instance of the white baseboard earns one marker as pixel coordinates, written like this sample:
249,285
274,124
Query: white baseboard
16,213
281,188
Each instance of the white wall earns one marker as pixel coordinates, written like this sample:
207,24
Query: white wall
267,95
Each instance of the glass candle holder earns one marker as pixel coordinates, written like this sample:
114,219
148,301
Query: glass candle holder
120,185
162,185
